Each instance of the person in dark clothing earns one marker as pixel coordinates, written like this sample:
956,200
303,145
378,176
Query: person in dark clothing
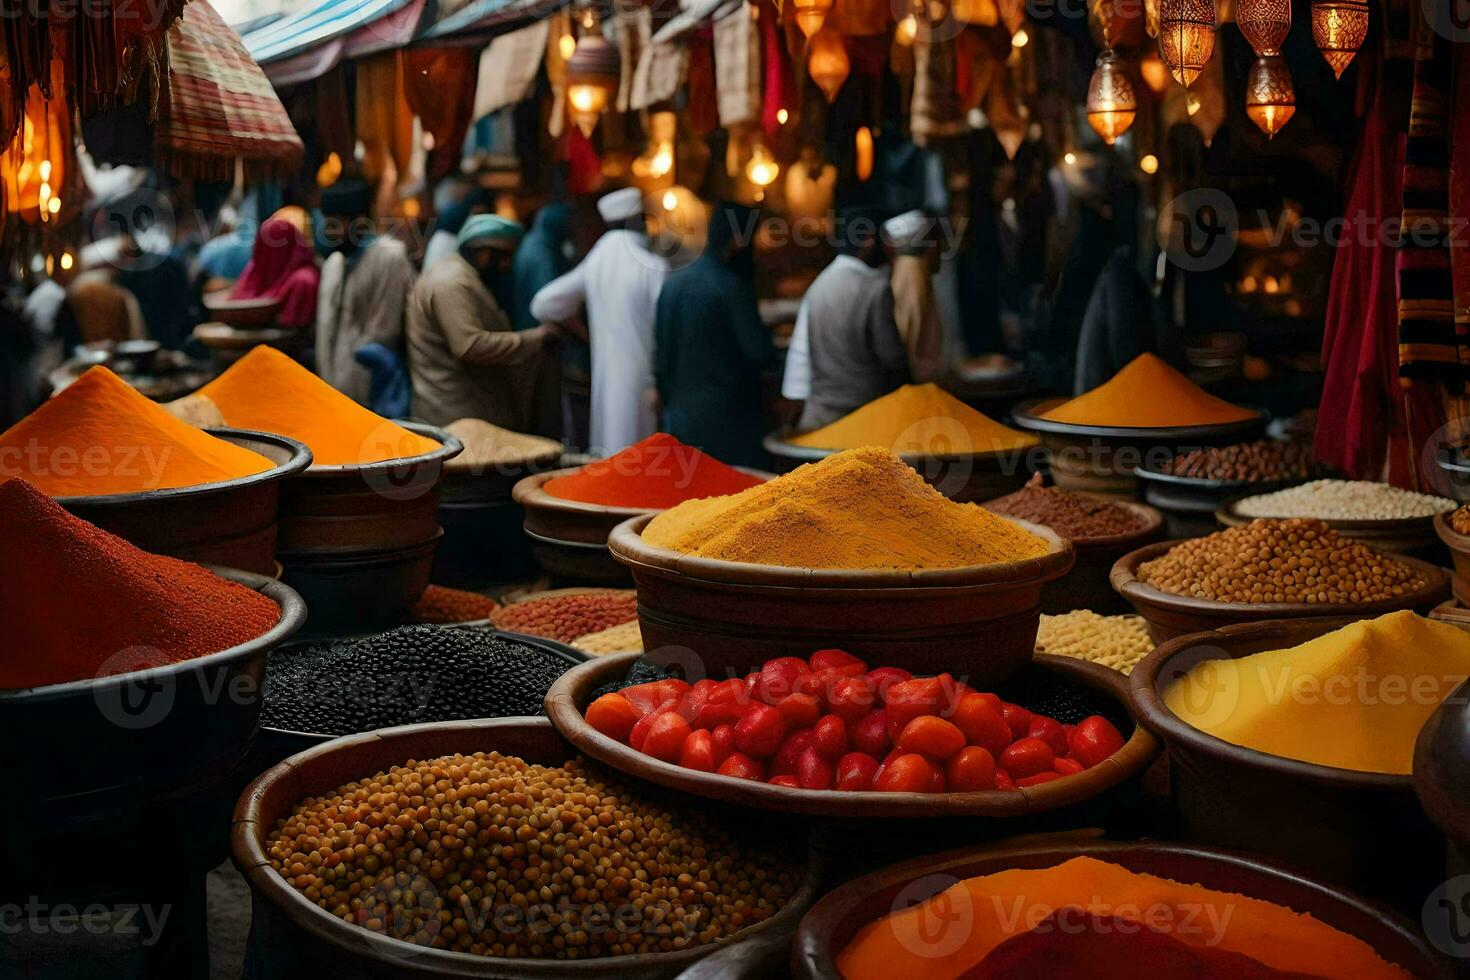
710,345
1121,322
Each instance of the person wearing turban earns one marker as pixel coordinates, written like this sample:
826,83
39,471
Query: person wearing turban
465,357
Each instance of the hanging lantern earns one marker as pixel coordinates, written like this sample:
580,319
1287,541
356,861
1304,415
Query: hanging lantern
863,152
592,80
1111,99
906,30
34,167
1339,27
812,14
1155,73
827,62
1186,37
762,169
1265,24
1270,100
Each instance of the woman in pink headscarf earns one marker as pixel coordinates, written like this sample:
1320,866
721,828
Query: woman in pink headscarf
282,266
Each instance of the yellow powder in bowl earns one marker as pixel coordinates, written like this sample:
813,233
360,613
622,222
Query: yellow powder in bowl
860,509
1148,394
267,391
100,436
1353,699
917,420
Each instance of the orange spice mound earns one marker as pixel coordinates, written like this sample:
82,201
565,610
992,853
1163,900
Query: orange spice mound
267,391
979,915
100,436
1148,393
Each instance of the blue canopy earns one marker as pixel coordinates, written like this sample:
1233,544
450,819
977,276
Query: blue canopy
328,20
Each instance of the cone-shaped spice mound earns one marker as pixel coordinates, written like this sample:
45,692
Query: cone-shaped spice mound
1148,394
100,436
917,420
653,474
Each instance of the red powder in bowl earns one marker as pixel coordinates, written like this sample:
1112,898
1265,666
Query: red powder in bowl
654,474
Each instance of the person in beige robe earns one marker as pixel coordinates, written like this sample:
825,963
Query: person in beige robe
915,307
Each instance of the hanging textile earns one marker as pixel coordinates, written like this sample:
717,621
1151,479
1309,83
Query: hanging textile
384,120
334,115
704,114
780,81
558,29
936,107
38,161
862,18
737,67
439,86
219,107
508,68
631,38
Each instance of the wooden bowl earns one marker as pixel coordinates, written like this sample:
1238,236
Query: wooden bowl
1459,548
1188,503
292,936
242,313
1087,585
1405,536
980,621
1104,458
1362,829
232,523
833,922
1442,781
569,697
962,477
1170,615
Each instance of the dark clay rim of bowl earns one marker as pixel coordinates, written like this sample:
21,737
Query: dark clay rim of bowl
220,300
627,546
1125,581
449,447
1228,514
293,615
562,651
566,702
1151,710
775,443
1152,517
247,830
463,468
814,941
299,460
561,543
1026,416
530,492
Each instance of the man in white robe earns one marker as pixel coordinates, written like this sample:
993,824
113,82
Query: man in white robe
618,284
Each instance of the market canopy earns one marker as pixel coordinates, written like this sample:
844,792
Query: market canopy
481,21
308,44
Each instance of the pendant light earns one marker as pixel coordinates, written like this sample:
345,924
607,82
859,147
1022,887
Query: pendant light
762,168
1265,24
812,14
863,153
1186,37
1270,99
1112,101
827,61
593,74
1339,27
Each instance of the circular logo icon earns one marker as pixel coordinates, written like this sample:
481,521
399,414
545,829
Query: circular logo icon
396,479
142,223
1444,445
1450,19
1446,917
943,922
135,703
1198,229
681,662
1213,693
944,449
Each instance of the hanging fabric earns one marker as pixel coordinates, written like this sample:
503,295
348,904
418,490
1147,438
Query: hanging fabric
439,86
662,67
508,67
737,55
384,120
704,114
559,44
936,109
38,162
631,37
862,18
780,83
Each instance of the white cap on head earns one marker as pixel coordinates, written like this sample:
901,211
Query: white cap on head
620,205
907,229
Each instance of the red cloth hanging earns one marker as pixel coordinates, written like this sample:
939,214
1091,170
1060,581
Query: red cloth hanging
440,86
704,110
780,81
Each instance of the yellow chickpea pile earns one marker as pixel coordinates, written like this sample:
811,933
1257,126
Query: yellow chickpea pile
1119,642
490,855
1280,561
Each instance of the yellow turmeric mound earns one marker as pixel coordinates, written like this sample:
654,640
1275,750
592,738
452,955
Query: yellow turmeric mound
1148,394
917,420
267,391
864,508
952,933
100,436
1354,698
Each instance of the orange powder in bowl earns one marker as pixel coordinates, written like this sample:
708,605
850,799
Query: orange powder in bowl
1148,394
267,391
100,436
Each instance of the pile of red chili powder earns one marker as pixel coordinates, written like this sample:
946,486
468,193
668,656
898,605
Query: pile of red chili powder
78,602
654,474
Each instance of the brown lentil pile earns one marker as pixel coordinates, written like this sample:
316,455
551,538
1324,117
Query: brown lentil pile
566,617
440,604
1295,560
490,855
623,638
1071,515
1262,461
1119,642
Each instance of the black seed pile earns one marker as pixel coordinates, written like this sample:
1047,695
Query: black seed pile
1045,693
642,672
406,676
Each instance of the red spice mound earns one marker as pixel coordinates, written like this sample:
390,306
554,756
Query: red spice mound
567,617
440,604
654,474
78,602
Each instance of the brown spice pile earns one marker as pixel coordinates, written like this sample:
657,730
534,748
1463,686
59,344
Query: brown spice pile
567,617
440,604
1294,560
1071,515
489,855
1262,461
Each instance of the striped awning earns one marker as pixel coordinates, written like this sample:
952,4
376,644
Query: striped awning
481,21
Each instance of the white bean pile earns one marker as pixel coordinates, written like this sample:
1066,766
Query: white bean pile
1344,500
